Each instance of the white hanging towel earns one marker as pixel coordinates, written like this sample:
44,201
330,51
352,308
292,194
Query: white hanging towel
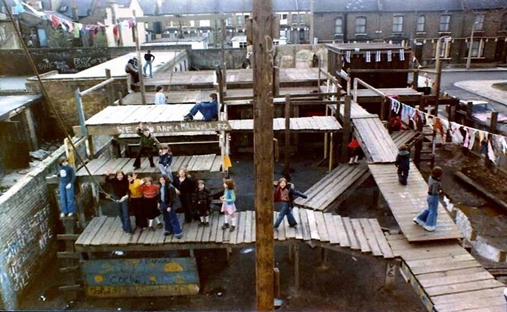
347,56
402,55
389,55
377,57
368,56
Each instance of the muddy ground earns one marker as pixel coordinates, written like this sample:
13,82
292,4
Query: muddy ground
487,218
351,282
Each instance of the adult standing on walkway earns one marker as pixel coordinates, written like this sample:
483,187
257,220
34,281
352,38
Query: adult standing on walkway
428,217
185,187
120,185
148,58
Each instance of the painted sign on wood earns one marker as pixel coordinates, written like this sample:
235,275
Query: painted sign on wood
148,277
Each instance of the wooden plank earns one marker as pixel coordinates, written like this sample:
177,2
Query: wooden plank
333,235
463,276
341,231
463,287
214,226
242,228
314,232
476,294
354,244
321,226
88,230
304,225
370,237
358,230
436,261
248,227
445,267
381,239
135,236
219,231
299,229
116,235
97,240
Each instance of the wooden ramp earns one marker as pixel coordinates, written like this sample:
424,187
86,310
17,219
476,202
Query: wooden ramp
202,165
334,188
302,124
447,278
362,234
404,136
375,141
407,201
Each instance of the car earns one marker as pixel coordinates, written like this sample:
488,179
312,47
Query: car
481,112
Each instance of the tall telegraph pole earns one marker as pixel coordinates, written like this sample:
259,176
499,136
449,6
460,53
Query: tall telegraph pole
262,20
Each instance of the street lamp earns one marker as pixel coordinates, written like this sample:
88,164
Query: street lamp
469,58
438,64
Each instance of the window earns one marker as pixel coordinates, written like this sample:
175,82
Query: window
204,23
239,20
284,16
360,25
479,22
242,44
192,23
229,21
421,21
445,48
397,24
477,48
503,24
294,18
301,35
338,26
302,19
445,20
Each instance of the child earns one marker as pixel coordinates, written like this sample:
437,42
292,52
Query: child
428,217
150,192
145,146
228,207
403,164
285,193
136,200
202,201
121,190
355,152
185,187
160,97
166,205
67,178
165,160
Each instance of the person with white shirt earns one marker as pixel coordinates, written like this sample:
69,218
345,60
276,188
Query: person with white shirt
160,97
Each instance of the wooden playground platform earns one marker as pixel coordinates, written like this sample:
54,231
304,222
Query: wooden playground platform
300,124
447,278
361,234
204,166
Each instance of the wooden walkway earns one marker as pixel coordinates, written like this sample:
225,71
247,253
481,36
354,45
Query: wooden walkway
117,120
404,94
334,188
301,124
362,234
403,137
447,278
407,201
202,165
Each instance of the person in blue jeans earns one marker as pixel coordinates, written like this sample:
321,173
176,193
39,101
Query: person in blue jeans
166,199
120,185
428,217
208,109
148,60
285,193
403,164
67,176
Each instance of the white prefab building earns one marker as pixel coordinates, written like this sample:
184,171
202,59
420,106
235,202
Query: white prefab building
240,41
196,43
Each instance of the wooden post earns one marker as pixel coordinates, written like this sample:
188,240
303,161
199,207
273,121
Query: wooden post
276,81
433,146
323,258
419,143
70,279
347,128
331,151
470,108
391,268
286,169
263,153
326,135
29,123
383,109
222,56
90,149
278,288
296,268
140,67
415,80
80,112
120,98
389,111
109,89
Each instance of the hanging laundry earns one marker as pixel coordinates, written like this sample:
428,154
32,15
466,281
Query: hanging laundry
18,8
347,56
131,23
491,150
471,133
389,55
503,144
456,136
402,55
76,30
368,56
405,114
55,21
378,57
438,127
115,30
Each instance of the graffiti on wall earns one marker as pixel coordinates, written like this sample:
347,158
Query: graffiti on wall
69,66
19,251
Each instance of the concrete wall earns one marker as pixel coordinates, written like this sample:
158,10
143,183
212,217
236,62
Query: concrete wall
299,56
210,58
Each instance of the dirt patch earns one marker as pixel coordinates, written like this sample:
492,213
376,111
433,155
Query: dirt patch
488,220
500,86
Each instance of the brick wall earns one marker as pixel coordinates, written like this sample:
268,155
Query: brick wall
27,222
61,92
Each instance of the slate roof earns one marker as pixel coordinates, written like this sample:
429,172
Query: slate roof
323,6
84,8
485,4
150,7
421,5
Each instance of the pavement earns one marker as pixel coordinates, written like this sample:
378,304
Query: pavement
485,89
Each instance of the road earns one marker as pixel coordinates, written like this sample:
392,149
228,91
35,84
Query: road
449,78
